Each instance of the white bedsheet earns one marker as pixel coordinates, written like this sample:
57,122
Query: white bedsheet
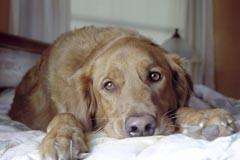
17,142
173,147
23,145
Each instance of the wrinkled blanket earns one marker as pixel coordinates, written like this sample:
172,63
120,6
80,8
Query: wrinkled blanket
18,142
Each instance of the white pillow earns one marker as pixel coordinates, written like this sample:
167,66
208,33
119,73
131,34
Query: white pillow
13,65
6,99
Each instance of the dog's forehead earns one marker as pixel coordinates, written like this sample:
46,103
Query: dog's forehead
130,54
124,58
127,54
127,60
132,51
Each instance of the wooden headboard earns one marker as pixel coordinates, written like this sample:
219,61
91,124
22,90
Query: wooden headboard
17,55
22,43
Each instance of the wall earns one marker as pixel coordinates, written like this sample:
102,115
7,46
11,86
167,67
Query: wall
227,46
154,18
4,15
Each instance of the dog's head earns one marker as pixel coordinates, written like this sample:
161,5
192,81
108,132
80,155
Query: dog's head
130,88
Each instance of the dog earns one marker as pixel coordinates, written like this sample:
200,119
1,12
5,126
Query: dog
112,80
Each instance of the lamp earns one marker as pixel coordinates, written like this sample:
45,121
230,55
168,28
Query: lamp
192,62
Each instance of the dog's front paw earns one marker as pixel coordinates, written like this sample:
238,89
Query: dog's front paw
205,123
63,142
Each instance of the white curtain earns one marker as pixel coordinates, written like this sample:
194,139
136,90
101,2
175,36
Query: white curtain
199,33
40,19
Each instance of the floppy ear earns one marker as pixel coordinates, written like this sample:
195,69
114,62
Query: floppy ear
83,103
182,82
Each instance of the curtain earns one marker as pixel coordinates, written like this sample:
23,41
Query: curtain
40,19
199,34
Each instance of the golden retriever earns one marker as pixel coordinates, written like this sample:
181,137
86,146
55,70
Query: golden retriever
114,80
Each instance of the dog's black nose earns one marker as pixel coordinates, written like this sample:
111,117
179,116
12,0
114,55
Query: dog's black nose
142,125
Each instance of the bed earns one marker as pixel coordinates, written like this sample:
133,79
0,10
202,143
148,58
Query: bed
19,142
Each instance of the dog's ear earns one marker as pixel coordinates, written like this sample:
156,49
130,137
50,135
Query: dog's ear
182,82
83,100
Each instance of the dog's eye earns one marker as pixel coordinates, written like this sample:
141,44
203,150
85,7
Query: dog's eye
109,85
155,76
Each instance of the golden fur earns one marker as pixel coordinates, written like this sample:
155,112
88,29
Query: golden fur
66,87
